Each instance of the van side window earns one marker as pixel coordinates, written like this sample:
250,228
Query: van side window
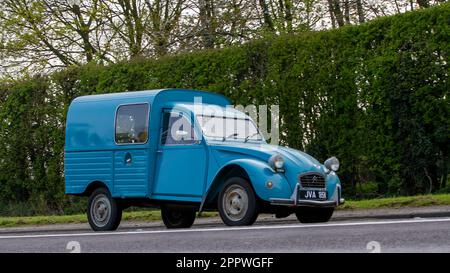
132,124
177,129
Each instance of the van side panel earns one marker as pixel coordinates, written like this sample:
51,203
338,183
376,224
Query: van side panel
91,153
131,179
81,168
90,126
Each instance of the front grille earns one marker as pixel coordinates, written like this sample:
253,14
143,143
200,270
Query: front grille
313,180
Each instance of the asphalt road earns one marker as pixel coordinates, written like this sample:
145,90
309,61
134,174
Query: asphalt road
413,235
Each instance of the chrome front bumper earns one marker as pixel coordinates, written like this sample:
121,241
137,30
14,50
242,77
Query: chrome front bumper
294,200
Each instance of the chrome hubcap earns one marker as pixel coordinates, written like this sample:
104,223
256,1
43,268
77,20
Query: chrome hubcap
235,202
101,210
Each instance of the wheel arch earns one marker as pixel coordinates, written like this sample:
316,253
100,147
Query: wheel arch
92,186
233,169
257,173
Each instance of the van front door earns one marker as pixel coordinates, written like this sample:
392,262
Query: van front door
181,158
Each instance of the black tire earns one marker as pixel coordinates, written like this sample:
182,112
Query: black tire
101,197
250,209
314,215
177,218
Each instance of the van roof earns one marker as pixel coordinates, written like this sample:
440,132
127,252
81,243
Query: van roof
148,94
121,95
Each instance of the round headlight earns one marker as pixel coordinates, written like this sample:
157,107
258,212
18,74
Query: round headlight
332,163
279,163
276,162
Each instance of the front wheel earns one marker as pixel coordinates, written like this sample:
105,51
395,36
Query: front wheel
314,215
104,213
237,203
177,218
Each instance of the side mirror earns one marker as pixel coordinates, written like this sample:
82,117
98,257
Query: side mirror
332,164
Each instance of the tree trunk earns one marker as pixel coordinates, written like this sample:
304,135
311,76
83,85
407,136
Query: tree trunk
337,12
83,30
347,11
423,3
397,8
133,26
330,10
268,23
359,9
288,14
207,18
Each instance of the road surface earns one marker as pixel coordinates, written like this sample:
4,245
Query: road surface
390,235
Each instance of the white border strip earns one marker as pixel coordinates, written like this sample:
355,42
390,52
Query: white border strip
224,229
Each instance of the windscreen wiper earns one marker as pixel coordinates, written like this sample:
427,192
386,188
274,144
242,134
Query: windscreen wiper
252,135
232,135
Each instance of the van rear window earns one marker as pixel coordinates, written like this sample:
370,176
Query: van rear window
132,124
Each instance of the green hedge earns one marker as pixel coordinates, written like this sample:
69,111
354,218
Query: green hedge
381,90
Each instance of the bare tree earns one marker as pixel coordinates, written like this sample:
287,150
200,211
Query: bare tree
39,35
126,19
82,21
289,16
52,33
336,11
165,20
147,28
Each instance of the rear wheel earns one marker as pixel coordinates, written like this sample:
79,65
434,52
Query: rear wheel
104,213
237,203
177,218
314,215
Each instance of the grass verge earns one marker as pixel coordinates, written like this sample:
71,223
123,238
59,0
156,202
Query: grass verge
399,202
144,215
154,215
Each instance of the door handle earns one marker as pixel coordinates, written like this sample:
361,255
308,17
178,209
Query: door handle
159,151
128,159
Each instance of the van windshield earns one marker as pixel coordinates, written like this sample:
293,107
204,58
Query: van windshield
229,128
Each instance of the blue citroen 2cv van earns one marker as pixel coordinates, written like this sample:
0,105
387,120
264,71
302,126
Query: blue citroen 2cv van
159,149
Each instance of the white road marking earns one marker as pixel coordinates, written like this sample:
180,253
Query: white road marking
225,229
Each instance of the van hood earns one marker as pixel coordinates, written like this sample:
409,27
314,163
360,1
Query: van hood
295,160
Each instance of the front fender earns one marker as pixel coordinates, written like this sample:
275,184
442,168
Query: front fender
260,173
334,187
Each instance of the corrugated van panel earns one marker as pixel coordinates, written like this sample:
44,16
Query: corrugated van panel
131,180
81,168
